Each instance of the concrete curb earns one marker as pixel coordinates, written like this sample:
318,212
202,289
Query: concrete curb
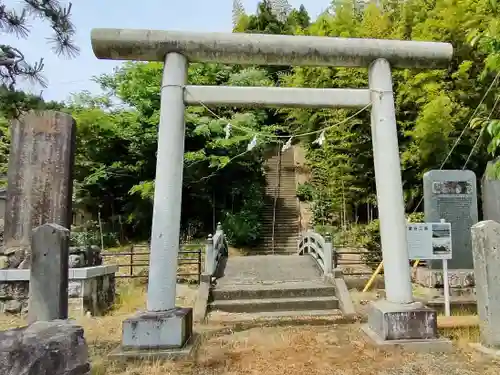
201,303
342,293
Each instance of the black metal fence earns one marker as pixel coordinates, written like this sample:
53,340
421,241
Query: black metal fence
134,263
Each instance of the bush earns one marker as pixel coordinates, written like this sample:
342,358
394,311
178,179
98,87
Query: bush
89,234
243,227
368,236
305,192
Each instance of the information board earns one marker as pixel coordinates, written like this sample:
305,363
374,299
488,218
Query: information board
429,240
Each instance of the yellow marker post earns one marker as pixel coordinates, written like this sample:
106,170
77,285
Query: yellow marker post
372,278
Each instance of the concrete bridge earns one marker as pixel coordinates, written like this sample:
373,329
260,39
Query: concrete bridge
301,284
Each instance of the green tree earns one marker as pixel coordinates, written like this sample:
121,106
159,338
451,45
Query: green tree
433,107
115,164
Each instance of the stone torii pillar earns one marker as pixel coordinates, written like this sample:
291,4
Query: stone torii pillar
165,326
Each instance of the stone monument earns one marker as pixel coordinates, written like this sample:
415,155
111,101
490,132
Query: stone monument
40,181
48,290
486,251
451,195
491,193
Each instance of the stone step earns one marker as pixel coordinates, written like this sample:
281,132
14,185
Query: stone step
275,304
294,316
291,239
290,235
279,246
277,251
280,215
282,222
279,290
289,217
287,237
282,195
282,209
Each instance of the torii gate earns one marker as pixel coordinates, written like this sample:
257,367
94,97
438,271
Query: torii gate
397,317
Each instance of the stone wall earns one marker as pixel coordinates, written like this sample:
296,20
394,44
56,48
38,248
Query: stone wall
84,256
461,281
89,289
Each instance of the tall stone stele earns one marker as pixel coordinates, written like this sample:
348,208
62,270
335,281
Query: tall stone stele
486,251
490,189
40,184
452,195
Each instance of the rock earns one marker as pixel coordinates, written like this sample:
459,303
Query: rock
76,261
4,262
4,290
95,258
75,250
74,289
20,290
16,256
44,348
12,307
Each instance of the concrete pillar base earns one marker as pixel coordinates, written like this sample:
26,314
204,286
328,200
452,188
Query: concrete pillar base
160,334
413,326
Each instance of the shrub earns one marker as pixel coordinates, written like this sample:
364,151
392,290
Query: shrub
89,234
305,192
243,227
368,236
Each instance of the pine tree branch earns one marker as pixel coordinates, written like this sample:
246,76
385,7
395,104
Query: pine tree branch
12,62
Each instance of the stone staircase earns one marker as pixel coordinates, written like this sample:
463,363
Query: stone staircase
273,286
286,218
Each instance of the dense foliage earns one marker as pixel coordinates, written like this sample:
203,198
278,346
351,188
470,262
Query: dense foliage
434,107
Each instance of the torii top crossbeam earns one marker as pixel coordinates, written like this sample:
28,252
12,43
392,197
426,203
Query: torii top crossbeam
264,49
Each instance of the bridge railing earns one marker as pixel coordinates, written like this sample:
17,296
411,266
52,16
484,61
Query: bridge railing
215,249
319,247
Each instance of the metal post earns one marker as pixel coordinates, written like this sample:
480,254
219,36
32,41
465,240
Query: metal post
199,266
168,187
389,186
131,261
446,283
209,255
328,254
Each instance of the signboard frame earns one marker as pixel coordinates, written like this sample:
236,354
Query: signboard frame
429,241
432,241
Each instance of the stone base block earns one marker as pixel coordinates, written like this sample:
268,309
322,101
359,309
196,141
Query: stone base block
392,321
158,330
433,345
187,351
491,352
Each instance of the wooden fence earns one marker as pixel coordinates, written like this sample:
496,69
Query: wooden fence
134,263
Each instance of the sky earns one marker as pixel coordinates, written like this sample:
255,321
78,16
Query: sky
66,76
